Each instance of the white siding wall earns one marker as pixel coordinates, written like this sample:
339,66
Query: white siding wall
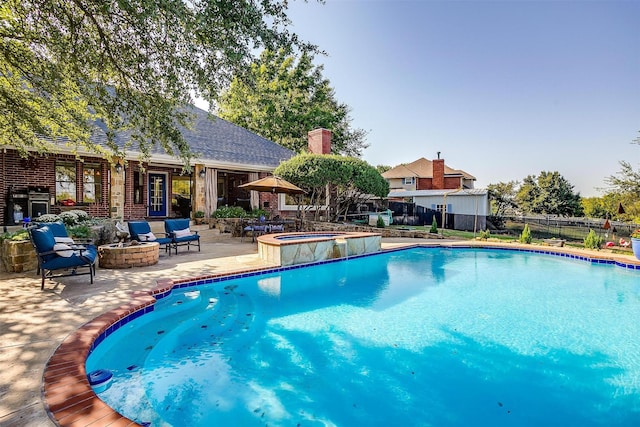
459,204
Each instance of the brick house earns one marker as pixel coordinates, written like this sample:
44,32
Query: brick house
424,174
226,156
432,185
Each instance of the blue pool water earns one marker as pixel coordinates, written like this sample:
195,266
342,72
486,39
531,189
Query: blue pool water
419,337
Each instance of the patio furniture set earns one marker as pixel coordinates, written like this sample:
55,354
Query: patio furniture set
59,255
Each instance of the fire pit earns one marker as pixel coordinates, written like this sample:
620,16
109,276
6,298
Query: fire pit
127,255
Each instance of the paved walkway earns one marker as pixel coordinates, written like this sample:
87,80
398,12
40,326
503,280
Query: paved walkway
33,323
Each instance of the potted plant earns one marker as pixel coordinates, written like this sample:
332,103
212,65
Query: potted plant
199,217
635,243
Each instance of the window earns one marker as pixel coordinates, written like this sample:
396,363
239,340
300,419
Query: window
138,186
408,181
91,183
65,181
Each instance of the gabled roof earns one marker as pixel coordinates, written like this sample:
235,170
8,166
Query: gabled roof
422,168
217,142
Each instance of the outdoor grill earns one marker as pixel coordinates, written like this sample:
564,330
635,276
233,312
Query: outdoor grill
38,201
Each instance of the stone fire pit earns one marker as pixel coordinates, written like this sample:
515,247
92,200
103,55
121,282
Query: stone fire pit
127,255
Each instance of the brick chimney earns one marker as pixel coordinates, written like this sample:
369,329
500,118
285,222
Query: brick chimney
319,141
437,180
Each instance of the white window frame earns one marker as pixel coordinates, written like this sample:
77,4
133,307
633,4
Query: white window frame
410,182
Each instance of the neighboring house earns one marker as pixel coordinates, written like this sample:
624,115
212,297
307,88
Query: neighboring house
435,186
226,156
424,174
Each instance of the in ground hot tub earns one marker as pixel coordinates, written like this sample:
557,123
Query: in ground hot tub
301,248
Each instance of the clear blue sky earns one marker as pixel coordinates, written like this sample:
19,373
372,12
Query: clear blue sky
504,89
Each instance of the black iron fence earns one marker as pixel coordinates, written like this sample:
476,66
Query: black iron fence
576,229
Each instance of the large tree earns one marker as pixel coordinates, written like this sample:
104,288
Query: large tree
131,64
503,197
283,97
625,186
347,179
549,193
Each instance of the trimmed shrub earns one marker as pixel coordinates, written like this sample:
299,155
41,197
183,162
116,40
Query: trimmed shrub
69,218
48,218
229,212
526,237
82,215
434,226
593,241
380,222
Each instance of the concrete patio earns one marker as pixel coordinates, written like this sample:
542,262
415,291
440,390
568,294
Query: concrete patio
33,323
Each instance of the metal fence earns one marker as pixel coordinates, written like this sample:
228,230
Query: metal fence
576,229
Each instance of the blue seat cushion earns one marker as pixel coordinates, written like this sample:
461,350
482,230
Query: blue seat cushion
88,257
163,240
190,238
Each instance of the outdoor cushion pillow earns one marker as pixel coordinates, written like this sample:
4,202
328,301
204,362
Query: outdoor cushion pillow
62,249
147,237
67,240
182,233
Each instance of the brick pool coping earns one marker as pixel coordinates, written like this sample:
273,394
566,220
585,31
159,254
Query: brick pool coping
70,400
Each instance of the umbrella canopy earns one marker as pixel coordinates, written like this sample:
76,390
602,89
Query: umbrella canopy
272,184
620,209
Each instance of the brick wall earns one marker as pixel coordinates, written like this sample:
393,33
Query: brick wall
447,184
39,170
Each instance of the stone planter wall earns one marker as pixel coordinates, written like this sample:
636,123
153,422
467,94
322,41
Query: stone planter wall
18,257
227,225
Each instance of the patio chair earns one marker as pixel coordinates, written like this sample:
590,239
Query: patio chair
180,234
256,228
141,232
54,256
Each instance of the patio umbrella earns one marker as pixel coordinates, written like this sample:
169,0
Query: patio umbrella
272,184
620,209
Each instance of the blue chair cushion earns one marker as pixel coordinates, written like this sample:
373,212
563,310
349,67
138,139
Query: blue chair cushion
163,240
58,229
139,227
171,225
43,240
88,257
190,238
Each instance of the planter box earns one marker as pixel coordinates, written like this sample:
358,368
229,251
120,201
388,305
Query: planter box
18,256
228,225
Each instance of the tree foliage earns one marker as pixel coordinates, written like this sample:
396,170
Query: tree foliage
549,193
624,188
503,197
283,99
348,180
130,64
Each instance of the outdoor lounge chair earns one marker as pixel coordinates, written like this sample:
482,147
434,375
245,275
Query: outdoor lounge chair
141,232
180,234
256,228
54,256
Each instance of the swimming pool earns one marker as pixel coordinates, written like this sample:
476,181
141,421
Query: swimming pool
426,336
